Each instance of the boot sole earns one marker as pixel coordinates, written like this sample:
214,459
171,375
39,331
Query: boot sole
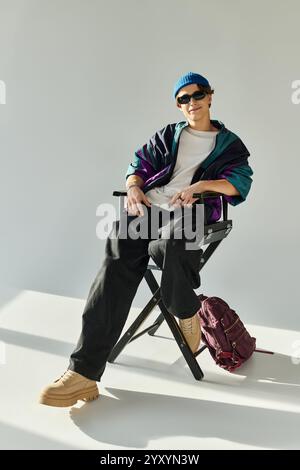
88,394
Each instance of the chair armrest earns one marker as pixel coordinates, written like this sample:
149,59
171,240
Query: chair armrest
119,193
207,194
201,196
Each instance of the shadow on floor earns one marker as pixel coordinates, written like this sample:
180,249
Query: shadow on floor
132,419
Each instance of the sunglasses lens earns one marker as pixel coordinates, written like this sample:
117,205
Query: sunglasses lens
184,99
198,95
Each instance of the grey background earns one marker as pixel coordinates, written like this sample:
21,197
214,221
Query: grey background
89,81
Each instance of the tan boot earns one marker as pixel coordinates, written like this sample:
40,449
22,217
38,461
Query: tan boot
191,330
68,389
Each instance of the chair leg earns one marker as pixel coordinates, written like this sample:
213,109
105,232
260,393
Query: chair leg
175,329
129,334
184,347
153,285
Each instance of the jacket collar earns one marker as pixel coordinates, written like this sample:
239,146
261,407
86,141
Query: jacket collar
216,123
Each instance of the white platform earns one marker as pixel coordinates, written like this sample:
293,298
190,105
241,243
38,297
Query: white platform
149,398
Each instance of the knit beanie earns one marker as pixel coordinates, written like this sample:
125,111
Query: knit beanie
188,79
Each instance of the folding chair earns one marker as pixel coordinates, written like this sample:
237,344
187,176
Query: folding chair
213,235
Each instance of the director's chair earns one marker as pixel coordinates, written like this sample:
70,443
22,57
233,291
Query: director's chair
213,235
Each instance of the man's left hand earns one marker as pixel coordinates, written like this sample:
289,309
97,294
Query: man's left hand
184,197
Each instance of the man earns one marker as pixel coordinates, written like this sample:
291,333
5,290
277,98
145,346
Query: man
195,155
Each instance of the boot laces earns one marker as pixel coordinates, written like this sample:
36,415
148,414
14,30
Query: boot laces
187,325
65,376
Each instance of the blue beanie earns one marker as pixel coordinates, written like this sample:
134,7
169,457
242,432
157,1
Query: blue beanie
188,79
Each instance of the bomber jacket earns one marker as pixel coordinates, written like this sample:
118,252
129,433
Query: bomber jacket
155,161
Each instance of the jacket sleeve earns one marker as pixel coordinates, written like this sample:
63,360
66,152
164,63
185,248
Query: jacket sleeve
236,169
240,177
149,159
143,163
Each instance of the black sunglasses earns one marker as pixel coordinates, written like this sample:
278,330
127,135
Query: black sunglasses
197,95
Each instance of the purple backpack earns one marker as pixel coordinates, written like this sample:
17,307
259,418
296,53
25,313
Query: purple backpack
223,332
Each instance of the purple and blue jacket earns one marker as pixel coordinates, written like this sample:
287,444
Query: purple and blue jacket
155,161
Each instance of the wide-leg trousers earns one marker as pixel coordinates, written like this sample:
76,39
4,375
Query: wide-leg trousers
116,283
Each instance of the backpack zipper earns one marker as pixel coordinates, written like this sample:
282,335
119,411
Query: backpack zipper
231,326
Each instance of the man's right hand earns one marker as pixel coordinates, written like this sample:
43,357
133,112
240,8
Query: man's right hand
135,198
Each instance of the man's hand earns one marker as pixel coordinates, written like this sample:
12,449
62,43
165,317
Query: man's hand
184,197
135,198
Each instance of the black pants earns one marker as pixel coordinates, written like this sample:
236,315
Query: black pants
114,288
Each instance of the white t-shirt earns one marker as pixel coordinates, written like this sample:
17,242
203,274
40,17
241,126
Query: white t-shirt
194,147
